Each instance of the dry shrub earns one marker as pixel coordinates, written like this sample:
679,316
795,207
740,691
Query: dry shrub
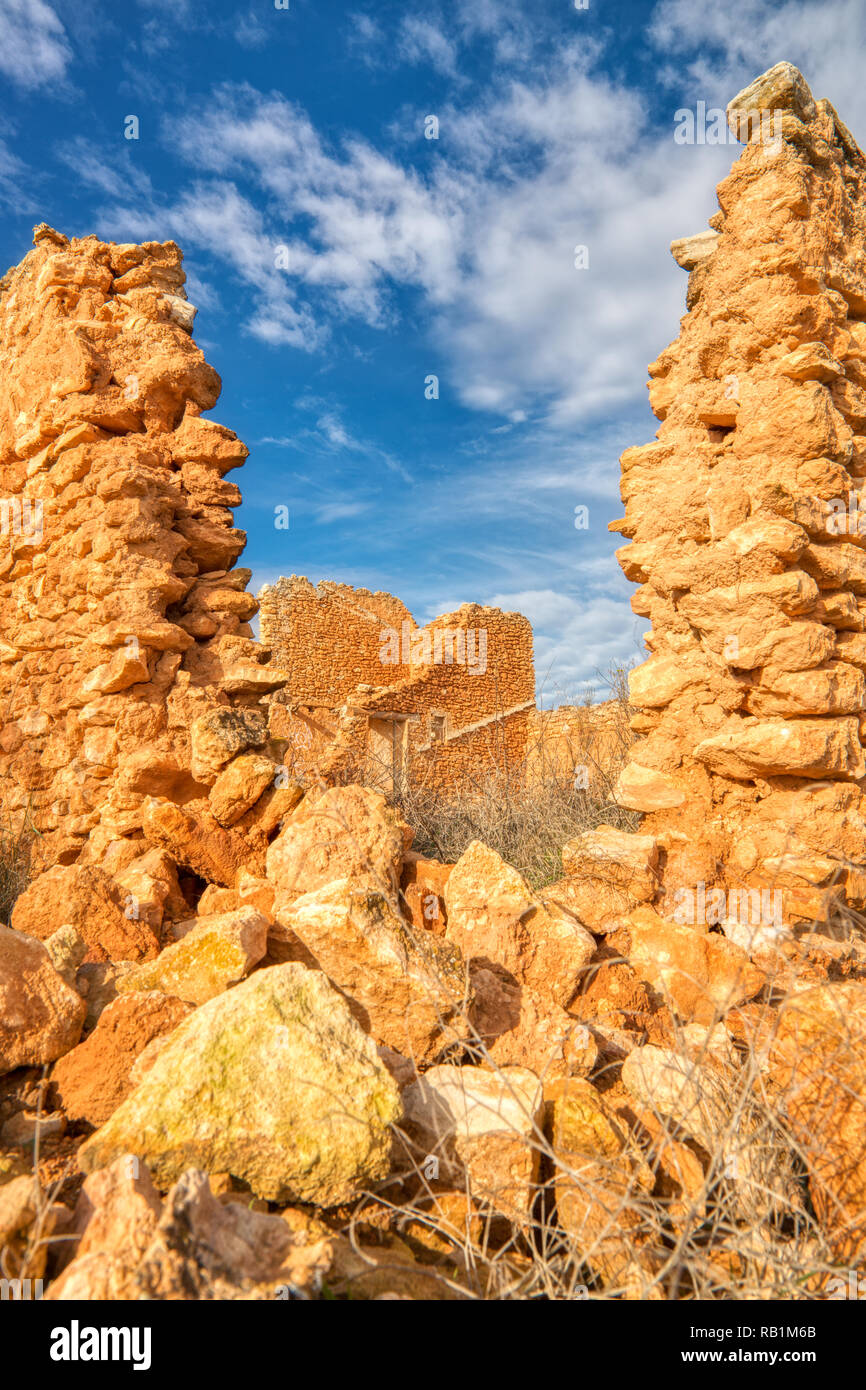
17,846
527,813
743,1227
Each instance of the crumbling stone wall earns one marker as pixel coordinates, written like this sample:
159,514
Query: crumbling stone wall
327,638
354,660
124,623
472,712
582,746
744,525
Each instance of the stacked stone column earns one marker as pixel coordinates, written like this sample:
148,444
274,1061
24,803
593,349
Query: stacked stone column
743,523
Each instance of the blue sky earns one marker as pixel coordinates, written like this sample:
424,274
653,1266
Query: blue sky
406,257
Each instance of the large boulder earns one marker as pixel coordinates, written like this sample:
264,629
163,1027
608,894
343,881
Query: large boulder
347,832
493,916
407,987
87,898
41,1016
273,1082
217,952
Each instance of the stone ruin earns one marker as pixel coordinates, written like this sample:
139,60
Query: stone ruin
217,952
129,674
372,696
745,529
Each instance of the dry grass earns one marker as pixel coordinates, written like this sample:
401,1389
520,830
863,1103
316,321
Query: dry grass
527,813
738,1225
17,846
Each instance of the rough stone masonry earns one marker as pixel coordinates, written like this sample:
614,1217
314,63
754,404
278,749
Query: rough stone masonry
128,674
745,529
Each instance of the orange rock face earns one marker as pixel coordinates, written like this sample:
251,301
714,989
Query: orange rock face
93,1078
123,620
744,526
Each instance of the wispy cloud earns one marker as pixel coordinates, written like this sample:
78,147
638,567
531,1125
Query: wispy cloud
16,181
421,41
249,31
34,48
112,172
341,511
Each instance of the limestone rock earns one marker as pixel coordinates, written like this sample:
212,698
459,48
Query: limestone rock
134,1246
516,1027
92,1080
608,872
422,891
601,1185
347,832
217,736
86,898
641,788
217,952
494,916
805,747
818,1058
408,988
782,87
197,841
40,1015
97,982
151,889
615,856
23,1128
698,973
482,1126
689,251
67,949
239,786
273,1082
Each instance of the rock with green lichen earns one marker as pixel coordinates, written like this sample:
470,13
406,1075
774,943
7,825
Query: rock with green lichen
217,952
273,1082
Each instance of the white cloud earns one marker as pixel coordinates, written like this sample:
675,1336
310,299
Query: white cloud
421,41
486,235
340,511
329,434
718,57
114,174
482,231
16,181
250,32
214,216
34,49
578,640
366,39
